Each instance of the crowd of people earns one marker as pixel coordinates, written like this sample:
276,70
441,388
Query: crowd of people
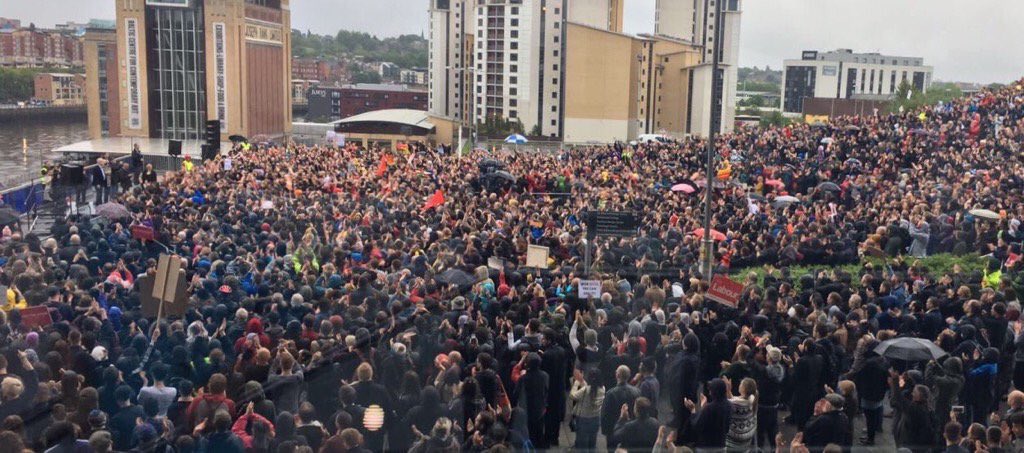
348,299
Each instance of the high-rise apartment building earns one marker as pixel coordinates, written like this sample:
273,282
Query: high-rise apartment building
511,59
694,21
180,63
506,58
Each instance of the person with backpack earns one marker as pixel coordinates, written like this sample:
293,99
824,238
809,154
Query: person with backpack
205,405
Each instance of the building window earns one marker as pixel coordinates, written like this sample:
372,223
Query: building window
554,81
554,95
514,45
554,108
554,67
511,113
513,56
558,24
514,33
515,10
513,91
513,102
554,122
513,80
513,68
558,10
556,38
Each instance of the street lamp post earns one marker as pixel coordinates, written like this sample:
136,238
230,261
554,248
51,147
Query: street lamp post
714,122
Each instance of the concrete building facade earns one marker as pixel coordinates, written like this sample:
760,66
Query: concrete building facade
843,74
694,21
183,62
506,58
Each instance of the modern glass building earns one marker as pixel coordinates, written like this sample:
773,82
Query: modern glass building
177,69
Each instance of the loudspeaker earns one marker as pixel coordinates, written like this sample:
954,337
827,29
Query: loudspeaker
174,147
72,175
213,134
209,152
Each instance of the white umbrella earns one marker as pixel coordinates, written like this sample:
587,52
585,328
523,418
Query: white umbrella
984,213
516,139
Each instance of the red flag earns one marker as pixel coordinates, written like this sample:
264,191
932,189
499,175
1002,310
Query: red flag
437,199
382,168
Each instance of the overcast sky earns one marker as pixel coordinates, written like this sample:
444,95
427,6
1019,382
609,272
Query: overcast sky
965,40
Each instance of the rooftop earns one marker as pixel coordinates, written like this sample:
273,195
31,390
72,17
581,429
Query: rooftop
407,117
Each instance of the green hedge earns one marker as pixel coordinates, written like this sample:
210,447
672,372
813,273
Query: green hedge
936,265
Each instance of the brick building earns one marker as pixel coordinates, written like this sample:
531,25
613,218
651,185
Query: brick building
59,89
310,69
31,47
349,100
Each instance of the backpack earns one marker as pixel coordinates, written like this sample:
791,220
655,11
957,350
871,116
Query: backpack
205,410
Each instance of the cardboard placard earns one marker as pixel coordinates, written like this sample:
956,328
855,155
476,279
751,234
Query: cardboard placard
590,289
167,271
495,263
725,291
537,256
151,305
33,317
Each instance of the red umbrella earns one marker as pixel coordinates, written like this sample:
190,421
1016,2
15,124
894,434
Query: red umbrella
715,234
684,188
776,183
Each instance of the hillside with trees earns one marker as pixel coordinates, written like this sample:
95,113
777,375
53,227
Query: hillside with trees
406,51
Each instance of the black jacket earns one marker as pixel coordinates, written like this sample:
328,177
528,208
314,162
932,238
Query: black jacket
639,434
829,428
532,393
613,401
872,379
711,424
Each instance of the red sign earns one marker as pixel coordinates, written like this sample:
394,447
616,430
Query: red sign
143,233
725,291
33,317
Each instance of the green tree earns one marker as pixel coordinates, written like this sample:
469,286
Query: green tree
910,99
499,127
775,118
365,77
17,85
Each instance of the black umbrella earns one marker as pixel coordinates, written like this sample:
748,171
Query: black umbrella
238,138
504,175
909,349
9,216
756,196
829,186
456,277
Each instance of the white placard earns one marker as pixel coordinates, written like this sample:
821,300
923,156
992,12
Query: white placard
537,256
590,289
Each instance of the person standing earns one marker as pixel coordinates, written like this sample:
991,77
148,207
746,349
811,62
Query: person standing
100,181
531,394
622,394
871,380
554,362
587,395
710,425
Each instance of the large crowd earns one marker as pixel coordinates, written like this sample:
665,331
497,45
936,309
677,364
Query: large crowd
348,299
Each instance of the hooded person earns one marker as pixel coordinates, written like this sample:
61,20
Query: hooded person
710,425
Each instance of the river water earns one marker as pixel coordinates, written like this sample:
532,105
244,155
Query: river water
41,136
